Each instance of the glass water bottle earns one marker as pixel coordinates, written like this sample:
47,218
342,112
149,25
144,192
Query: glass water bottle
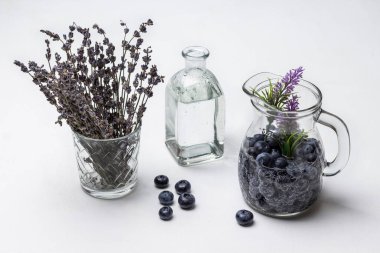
194,111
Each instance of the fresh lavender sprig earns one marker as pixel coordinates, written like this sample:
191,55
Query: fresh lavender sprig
281,94
292,78
292,104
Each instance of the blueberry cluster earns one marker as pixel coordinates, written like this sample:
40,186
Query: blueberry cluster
186,200
274,184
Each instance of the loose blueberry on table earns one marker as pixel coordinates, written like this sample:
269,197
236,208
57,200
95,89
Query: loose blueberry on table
161,181
183,186
186,201
166,198
165,213
273,183
244,217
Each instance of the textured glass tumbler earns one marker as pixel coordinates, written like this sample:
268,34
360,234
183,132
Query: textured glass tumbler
290,185
107,168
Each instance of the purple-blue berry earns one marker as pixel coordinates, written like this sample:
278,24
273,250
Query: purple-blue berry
281,163
273,143
166,198
258,148
312,141
183,186
186,201
165,213
308,148
244,217
254,139
161,181
264,159
276,153
311,157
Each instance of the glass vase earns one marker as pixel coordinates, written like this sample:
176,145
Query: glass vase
282,158
194,111
107,167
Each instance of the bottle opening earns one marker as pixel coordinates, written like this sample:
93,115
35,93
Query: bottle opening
195,52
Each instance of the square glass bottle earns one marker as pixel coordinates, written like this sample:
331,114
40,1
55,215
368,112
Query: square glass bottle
195,111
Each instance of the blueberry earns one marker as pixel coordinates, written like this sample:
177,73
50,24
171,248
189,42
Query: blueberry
255,138
308,148
276,153
244,217
255,193
312,141
258,148
298,152
165,213
311,157
186,201
251,152
264,159
182,186
310,172
267,175
285,179
166,198
262,201
267,190
293,170
281,163
161,181
301,184
273,143
254,181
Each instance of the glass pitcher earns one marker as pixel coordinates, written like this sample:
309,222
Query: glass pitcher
282,160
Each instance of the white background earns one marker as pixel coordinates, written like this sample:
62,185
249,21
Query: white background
42,208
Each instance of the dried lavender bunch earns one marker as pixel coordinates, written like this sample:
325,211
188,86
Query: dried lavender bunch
97,96
281,95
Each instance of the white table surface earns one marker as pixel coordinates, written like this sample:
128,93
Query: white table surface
42,206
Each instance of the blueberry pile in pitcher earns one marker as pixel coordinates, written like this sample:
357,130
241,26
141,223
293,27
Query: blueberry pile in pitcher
275,184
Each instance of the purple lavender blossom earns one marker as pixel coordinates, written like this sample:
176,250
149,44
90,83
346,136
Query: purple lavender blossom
281,94
292,78
292,104
277,88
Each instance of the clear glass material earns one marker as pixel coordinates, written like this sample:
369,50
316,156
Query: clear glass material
274,189
194,111
107,168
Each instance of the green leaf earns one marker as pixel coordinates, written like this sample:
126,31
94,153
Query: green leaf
286,148
296,142
289,141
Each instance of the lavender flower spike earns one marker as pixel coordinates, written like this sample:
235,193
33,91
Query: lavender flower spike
292,78
281,94
292,104
277,88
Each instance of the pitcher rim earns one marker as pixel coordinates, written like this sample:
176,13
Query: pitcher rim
285,114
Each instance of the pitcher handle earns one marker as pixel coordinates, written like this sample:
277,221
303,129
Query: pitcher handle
344,147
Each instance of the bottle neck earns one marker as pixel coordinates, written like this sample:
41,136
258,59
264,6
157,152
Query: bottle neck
195,57
195,63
